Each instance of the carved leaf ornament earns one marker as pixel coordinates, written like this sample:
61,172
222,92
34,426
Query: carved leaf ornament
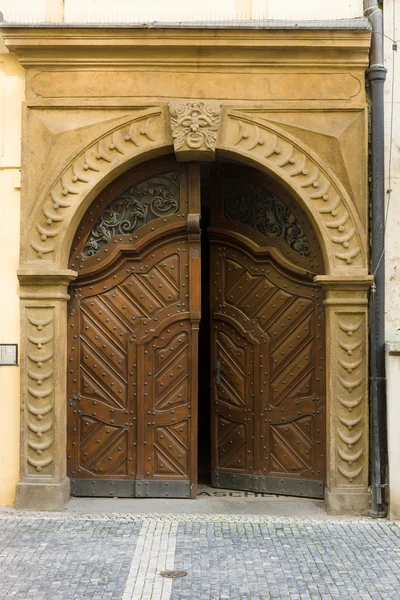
262,210
350,394
40,403
148,200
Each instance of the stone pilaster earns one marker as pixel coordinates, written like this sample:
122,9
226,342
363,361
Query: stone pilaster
347,394
43,483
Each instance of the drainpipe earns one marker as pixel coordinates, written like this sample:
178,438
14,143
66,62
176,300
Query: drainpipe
376,75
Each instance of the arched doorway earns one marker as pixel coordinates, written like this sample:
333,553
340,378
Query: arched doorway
143,390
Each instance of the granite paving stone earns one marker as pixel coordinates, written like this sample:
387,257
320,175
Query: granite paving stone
64,556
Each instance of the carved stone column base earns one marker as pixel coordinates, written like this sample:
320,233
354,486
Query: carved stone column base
42,496
347,503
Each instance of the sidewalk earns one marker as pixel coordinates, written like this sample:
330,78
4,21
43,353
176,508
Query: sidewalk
75,556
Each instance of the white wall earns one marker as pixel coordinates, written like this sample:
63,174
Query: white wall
392,145
315,9
23,10
392,242
179,10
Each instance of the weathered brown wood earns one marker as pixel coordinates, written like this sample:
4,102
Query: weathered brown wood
132,336
268,413
194,305
134,319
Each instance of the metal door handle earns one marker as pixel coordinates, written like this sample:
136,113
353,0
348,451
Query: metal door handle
217,373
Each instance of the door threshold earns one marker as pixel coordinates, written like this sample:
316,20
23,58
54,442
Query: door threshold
209,503
213,493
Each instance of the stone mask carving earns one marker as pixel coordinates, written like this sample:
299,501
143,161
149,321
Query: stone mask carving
194,126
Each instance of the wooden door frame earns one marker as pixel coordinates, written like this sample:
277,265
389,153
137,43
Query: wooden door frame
55,213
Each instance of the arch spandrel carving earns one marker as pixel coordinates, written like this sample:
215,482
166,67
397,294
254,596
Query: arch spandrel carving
319,191
58,211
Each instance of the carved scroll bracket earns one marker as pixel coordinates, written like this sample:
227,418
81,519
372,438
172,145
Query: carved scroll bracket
194,128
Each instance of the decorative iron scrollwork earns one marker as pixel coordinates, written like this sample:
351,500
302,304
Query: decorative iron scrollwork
148,200
260,209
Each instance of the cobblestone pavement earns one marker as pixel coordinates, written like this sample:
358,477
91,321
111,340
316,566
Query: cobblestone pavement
59,556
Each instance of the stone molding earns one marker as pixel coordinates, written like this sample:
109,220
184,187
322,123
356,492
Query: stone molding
36,284
215,48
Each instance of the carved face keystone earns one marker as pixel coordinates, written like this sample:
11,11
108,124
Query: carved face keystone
195,124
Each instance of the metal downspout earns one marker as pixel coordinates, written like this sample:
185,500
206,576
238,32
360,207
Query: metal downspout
376,75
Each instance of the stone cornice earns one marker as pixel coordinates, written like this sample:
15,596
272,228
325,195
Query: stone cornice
39,277
345,291
42,286
226,49
340,282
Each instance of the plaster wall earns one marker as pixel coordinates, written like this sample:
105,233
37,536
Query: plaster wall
11,97
393,407
178,10
392,149
392,241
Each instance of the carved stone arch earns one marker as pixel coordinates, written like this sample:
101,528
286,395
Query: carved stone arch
44,279
253,141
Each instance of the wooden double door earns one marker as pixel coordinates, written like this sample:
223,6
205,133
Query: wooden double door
133,337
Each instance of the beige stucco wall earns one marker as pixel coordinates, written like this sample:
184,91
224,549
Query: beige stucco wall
12,94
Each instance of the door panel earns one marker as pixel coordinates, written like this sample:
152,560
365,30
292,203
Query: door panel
132,339
267,340
233,397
